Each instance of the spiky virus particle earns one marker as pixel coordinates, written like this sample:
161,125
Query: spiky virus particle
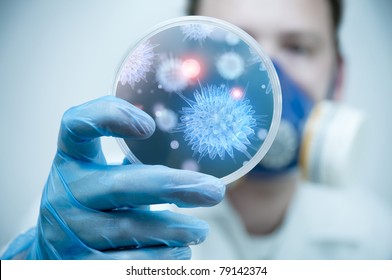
138,64
197,31
284,147
255,58
230,65
216,123
170,76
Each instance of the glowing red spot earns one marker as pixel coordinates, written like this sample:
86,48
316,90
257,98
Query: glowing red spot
237,93
190,68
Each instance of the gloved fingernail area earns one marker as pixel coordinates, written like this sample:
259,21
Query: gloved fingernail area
196,190
145,125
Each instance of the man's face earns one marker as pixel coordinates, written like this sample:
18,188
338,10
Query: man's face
298,34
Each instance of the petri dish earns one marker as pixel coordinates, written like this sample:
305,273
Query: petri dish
212,91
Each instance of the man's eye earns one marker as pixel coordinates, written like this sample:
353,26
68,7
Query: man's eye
298,49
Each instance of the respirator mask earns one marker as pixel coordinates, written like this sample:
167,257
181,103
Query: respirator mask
321,138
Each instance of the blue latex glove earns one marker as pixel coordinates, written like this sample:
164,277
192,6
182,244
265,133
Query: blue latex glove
90,210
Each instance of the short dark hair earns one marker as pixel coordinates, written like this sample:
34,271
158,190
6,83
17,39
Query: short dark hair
336,10
337,13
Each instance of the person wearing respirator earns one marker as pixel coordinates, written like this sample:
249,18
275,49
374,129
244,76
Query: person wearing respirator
90,210
289,206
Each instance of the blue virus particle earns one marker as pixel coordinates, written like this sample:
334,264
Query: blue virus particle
170,76
255,58
197,31
230,65
217,122
138,64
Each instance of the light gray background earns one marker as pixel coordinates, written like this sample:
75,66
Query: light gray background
57,54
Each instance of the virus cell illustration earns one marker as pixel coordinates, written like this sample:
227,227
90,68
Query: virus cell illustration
216,122
255,58
138,64
230,65
268,90
232,39
197,31
284,147
170,75
174,144
166,119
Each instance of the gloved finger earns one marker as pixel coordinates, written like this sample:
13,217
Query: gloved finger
149,253
134,185
107,116
136,228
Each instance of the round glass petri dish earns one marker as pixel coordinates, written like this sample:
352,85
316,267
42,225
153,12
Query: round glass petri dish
212,91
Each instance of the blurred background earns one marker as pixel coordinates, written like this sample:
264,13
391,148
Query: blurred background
57,54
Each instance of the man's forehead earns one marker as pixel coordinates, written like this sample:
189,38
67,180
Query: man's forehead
278,15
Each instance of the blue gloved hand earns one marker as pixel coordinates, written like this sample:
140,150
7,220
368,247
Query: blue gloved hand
90,210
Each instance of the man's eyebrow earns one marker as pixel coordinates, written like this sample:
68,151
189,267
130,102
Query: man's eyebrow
308,36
